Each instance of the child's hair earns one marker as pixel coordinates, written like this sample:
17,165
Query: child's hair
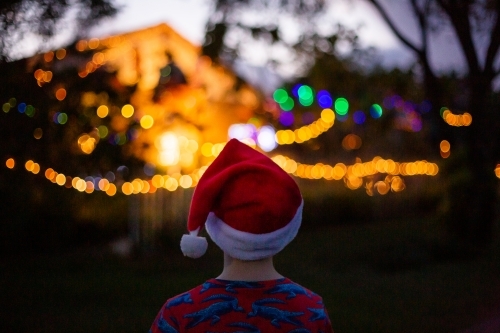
250,207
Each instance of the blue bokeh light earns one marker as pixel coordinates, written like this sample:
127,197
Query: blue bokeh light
324,99
359,117
286,118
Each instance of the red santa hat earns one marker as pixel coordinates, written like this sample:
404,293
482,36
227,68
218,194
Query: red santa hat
249,206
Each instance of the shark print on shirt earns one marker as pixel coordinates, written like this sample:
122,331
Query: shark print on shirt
221,306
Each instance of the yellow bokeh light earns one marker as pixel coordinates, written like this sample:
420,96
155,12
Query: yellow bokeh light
127,188
192,146
339,170
47,76
87,143
185,181
81,45
61,94
397,184
127,111
103,184
60,54
217,148
290,166
206,149
327,172
38,74
102,111
158,181
29,165
48,173
111,190
89,187
147,122
497,171
93,43
445,146
467,119
171,184
49,56
10,163
98,58
328,116
137,186
36,168
146,186
81,185
382,187
458,120
61,179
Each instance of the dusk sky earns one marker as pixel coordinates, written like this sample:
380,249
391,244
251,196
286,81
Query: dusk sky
188,17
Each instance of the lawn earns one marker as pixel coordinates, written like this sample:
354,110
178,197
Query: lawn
373,278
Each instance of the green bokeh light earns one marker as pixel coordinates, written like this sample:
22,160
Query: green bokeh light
341,106
305,92
288,104
30,111
6,107
376,111
280,96
306,102
103,131
62,118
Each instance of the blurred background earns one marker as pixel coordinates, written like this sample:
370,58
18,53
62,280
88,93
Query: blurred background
386,113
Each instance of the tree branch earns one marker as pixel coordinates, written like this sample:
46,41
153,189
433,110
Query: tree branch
458,13
494,46
395,30
423,24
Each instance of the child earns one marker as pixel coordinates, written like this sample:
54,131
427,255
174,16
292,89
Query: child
251,209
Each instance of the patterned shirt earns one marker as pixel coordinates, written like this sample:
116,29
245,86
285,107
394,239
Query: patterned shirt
237,306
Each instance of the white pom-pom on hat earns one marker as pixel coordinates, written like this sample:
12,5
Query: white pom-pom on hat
193,246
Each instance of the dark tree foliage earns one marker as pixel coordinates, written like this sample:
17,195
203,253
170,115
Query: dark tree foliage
472,189
19,18
264,26
471,183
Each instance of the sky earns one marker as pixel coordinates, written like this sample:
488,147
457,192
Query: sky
188,17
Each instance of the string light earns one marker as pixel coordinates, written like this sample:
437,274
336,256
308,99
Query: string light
353,174
137,186
456,120
305,133
444,149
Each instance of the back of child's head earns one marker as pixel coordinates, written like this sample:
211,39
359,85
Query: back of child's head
250,207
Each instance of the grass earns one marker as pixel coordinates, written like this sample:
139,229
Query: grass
376,278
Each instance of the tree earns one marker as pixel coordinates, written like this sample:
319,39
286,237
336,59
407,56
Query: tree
44,19
476,24
235,27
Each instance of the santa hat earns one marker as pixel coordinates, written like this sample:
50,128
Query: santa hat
249,206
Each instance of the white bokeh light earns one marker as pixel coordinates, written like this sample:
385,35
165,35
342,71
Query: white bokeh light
266,138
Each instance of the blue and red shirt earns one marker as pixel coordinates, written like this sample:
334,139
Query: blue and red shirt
238,306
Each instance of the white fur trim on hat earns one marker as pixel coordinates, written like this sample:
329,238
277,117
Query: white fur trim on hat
192,245
247,246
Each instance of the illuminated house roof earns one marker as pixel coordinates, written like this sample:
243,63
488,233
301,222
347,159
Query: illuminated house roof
184,93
